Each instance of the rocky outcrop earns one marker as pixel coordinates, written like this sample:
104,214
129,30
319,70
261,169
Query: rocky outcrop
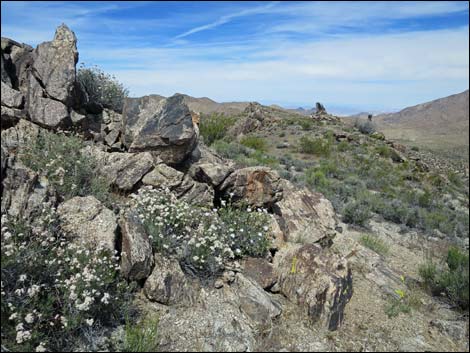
162,126
136,248
305,216
260,270
258,186
320,282
167,284
163,176
89,222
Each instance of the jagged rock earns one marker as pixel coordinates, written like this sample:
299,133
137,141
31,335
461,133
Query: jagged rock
5,63
17,136
136,249
17,63
258,186
259,270
195,193
123,170
89,222
320,108
3,161
209,173
305,216
163,126
11,98
320,282
45,112
163,176
255,302
77,118
54,65
10,116
17,186
167,284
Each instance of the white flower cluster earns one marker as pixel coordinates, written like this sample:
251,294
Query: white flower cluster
205,238
49,283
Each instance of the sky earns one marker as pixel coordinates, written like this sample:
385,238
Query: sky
350,56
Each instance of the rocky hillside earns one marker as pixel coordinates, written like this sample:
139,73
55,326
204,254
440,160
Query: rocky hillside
123,231
440,124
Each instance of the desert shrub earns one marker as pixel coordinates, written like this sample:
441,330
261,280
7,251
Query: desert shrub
316,177
254,142
202,239
70,172
366,127
141,336
305,124
215,126
258,158
102,88
282,134
54,291
318,146
397,306
455,179
415,148
231,150
356,212
374,243
343,146
450,277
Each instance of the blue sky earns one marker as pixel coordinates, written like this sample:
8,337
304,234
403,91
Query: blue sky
351,56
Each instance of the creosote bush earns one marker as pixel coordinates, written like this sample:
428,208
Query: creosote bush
202,239
254,142
317,146
366,127
55,290
215,126
102,88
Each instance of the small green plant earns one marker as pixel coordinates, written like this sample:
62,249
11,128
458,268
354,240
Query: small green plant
71,173
366,127
141,336
356,212
317,146
102,88
374,243
254,142
215,126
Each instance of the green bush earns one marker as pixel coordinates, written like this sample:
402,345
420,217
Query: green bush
315,177
318,146
254,142
141,336
215,126
366,127
356,212
231,150
70,172
451,277
55,291
102,88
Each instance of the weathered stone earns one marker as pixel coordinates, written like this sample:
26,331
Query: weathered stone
259,270
163,126
320,282
54,65
5,63
89,222
213,174
258,186
136,249
17,186
77,118
163,176
195,193
10,116
17,136
11,98
305,216
167,284
112,137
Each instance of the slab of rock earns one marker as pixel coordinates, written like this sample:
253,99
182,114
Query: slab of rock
195,193
11,97
305,216
17,136
260,270
210,173
54,65
163,176
136,249
10,116
163,126
168,285
258,186
17,186
320,282
89,222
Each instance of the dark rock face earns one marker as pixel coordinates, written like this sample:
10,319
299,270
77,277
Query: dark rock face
261,271
320,282
136,250
163,126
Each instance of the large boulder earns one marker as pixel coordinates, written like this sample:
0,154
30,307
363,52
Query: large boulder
259,270
16,62
305,216
136,249
320,282
11,97
258,186
163,176
167,284
17,186
89,222
163,126
195,193
54,65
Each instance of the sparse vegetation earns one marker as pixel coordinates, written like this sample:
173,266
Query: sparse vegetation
366,127
142,336
317,146
254,142
374,243
102,88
